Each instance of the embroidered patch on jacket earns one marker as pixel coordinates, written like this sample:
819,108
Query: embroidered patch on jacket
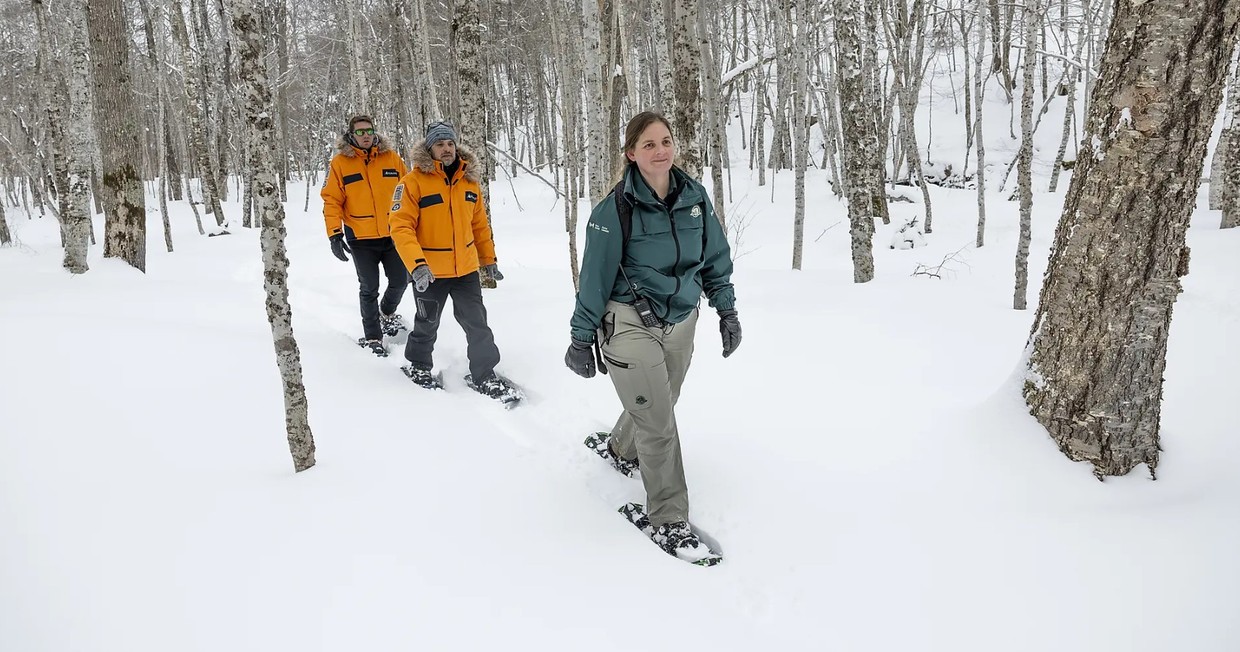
696,212
430,200
471,196
391,173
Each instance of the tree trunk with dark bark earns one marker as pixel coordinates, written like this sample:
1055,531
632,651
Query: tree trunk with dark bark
116,130
1097,349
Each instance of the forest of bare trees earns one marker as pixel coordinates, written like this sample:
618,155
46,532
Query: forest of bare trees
117,102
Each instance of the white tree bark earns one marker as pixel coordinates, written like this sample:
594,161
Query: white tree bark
117,133
800,124
859,150
687,64
1020,296
601,154
259,111
1097,349
978,96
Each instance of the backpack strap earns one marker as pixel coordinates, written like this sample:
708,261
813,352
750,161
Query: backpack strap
624,210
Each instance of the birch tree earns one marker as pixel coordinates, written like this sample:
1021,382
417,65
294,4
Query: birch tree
800,125
259,111
75,207
1097,348
1225,173
116,131
687,63
860,150
1025,159
979,94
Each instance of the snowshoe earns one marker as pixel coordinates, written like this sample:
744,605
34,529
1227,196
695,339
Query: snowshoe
376,346
600,443
676,539
498,388
422,376
392,324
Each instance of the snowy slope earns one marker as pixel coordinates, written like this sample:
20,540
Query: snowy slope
864,459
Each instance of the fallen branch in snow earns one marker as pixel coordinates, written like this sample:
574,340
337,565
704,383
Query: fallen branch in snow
937,271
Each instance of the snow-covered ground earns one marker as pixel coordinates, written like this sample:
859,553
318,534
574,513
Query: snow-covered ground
864,459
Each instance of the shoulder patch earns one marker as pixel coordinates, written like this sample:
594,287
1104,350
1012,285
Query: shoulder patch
471,196
697,211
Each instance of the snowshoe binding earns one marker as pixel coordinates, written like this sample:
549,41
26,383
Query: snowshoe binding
376,346
676,539
392,324
498,388
422,376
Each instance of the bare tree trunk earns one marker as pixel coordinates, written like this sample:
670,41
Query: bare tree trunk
1097,349
1069,112
687,63
156,57
196,112
800,125
1025,173
716,113
1229,174
472,85
859,150
259,109
1225,169
117,133
978,96
6,237
601,156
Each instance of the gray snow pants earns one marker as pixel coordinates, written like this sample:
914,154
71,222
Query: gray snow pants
648,366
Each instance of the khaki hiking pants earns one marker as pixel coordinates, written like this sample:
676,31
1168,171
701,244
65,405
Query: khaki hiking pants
648,366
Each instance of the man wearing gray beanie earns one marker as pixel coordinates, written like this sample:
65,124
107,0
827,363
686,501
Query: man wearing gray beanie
440,226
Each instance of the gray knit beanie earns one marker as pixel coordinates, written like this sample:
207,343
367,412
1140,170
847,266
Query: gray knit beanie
439,131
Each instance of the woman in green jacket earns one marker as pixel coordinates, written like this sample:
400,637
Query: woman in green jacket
653,248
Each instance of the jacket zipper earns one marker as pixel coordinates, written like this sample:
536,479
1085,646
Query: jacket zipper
671,216
452,216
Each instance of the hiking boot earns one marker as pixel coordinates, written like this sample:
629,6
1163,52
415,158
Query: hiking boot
677,538
422,376
391,324
376,346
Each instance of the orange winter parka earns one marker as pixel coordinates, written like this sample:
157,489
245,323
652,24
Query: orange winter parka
358,190
439,221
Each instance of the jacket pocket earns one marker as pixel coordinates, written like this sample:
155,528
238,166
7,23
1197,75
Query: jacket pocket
364,226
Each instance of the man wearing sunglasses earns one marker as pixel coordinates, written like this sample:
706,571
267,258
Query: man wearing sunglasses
439,223
357,194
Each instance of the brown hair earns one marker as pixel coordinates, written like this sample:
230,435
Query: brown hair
360,118
638,124
633,130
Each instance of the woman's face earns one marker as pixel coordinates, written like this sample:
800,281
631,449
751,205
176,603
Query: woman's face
654,150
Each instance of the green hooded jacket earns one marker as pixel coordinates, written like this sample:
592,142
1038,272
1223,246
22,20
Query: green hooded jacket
673,257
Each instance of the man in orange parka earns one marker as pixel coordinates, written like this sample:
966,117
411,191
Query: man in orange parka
440,227
356,195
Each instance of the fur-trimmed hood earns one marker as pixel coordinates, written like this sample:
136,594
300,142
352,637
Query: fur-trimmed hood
424,162
344,148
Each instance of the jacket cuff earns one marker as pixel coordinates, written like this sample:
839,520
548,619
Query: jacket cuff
583,336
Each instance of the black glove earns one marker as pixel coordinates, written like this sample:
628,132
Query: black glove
730,329
580,358
339,247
